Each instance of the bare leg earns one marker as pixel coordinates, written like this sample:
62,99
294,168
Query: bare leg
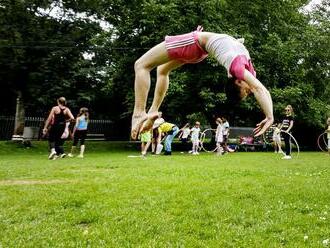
162,83
146,147
154,57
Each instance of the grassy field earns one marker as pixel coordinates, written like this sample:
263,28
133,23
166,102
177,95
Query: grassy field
108,199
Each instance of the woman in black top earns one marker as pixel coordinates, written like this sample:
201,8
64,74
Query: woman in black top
286,126
57,119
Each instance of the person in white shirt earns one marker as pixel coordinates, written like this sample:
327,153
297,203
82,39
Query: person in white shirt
219,136
277,139
225,134
185,132
195,138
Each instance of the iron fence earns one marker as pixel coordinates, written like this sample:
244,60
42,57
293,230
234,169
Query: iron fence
7,124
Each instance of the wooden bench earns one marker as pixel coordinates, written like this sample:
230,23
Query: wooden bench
235,138
95,136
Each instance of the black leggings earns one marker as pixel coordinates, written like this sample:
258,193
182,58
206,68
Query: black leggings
54,137
79,135
287,141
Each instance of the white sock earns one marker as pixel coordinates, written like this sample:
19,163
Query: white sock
82,150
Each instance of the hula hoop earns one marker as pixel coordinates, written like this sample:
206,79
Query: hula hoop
295,141
267,136
324,141
203,136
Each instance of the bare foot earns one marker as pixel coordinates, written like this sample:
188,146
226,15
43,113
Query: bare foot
147,125
137,121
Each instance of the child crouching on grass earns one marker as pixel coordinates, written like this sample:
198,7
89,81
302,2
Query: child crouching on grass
145,138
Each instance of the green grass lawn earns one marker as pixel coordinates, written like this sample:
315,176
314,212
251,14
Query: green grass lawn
108,199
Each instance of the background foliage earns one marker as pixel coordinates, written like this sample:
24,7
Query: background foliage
45,55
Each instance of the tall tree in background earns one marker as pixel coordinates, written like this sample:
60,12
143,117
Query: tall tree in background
289,48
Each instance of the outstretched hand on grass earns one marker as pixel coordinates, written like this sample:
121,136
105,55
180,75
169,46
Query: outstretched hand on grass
262,126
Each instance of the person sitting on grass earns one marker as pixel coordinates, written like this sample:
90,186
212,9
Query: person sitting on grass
193,47
80,132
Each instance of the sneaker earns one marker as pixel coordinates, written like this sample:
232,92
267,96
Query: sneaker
80,156
52,155
55,157
287,157
70,155
167,153
197,153
63,155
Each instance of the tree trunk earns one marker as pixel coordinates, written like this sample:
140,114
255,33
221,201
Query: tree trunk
19,117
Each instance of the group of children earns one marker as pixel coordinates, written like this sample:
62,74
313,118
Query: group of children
169,131
160,129
57,126
194,134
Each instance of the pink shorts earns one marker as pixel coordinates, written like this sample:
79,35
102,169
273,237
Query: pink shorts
238,65
185,48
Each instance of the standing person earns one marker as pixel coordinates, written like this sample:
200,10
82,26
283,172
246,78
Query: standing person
193,47
145,142
156,138
170,130
328,134
287,124
56,122
277,139
80,132
219,136
185,132
195,137
225,125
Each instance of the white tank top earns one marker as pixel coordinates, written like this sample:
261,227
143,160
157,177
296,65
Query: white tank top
225,49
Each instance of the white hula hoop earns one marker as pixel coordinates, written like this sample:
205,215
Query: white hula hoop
295,141
203,135
324,141
267,133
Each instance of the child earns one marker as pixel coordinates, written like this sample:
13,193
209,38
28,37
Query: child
286,126
195,137
328,134
156,138
219,136
185,131
277,139
80,132
145,142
